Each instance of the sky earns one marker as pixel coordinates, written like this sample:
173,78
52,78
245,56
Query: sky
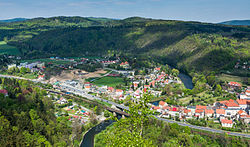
189,10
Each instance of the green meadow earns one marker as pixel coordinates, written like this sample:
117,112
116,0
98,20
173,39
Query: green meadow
109,81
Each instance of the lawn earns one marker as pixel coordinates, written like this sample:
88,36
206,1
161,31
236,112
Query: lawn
7,49
199,99
229,78
47,60
109,81
29,76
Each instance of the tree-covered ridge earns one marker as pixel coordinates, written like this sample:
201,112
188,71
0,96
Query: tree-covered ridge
24,30
214,51
60,21
27,117
188,45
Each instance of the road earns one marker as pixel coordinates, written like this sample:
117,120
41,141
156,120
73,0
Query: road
92,97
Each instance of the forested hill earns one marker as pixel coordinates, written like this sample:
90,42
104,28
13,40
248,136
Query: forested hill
24,30
13,20
187,45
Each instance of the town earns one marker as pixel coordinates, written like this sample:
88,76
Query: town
230,114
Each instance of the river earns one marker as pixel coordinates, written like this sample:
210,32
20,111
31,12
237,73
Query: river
88,140
187,80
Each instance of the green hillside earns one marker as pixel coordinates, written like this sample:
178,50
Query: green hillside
7,49
191,46
24,30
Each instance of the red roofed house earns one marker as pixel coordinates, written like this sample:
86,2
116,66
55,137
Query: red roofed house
201,107
187,112
157,69
174,111
209,112
111,89
41,77
162,104
124,64
242,103
232,104
199,113
119,92
220,112
87,88
226,123
248,93
245,118
5,92
234,85
135,85
158,109
152,83
232,107
242,112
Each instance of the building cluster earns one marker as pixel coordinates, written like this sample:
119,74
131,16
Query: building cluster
140,84
108,62
78,114
225,111
34,67
75,111
38,67
125,65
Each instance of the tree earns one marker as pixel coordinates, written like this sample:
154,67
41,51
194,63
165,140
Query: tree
175,72
129,131
23,70
218,90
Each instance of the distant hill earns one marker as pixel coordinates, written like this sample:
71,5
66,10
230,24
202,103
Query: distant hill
190,46
14,20
237,22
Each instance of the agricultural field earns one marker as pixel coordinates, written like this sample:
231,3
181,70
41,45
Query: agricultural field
109,81
7,49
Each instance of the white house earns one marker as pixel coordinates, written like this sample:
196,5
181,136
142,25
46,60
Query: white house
227,123
219,112
118,92
11,66
209,112
192,108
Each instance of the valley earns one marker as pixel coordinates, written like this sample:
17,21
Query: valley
157,82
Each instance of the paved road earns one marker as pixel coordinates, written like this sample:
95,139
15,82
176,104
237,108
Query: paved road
91,97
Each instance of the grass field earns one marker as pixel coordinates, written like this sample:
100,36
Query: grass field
201,98
47,60
109,81
229,78
7,49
